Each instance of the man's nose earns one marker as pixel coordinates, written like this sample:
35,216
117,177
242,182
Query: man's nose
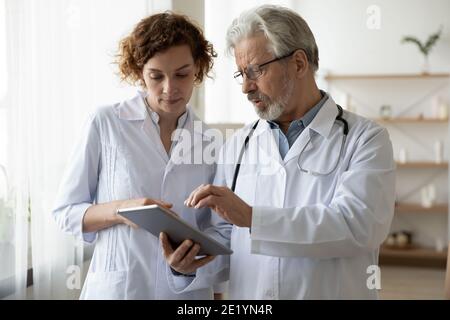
248,85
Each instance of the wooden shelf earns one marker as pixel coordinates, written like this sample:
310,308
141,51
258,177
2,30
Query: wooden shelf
422,165
417,208
386,76
424,257
410,120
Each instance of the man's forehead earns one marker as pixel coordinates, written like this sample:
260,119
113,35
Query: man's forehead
251,49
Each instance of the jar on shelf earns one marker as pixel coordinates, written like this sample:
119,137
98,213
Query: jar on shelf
385,111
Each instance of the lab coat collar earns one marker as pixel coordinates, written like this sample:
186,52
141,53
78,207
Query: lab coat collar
325,118
266,141
321,124
133,109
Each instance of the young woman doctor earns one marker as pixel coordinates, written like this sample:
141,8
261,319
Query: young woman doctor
126,158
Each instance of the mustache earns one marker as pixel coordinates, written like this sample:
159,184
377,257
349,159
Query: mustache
256,96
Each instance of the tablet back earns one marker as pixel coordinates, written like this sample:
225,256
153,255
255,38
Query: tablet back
156,219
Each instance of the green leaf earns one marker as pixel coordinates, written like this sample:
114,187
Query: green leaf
426,47
415,41
432,39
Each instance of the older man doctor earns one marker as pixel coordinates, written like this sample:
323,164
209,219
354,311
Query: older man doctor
314,191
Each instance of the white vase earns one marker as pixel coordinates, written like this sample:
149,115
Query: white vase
426,65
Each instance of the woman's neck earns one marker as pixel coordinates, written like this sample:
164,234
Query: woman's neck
167,120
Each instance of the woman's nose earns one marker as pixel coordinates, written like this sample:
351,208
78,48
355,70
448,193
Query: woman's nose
170,87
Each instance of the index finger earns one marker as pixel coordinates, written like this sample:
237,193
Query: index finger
203,193
187,202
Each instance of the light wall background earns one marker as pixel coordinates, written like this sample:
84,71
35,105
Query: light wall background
346,44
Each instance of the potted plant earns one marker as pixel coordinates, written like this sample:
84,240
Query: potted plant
425,48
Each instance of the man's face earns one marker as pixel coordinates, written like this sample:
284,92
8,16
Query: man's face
271,92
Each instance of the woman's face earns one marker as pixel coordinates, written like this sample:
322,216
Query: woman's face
169,78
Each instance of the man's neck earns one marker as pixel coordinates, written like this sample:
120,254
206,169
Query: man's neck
303,105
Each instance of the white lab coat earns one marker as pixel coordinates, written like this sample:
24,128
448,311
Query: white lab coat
312,237
121,156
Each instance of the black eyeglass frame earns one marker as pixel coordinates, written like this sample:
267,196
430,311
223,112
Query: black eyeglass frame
239,75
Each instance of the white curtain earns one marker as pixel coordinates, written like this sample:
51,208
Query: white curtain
59,57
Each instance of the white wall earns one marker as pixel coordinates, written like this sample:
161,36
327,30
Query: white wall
195,10
346,44
113,24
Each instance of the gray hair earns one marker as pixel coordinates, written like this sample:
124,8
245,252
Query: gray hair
285,29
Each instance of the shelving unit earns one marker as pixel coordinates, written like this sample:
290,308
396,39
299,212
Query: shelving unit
411,120
422,165
404,121
417,208
420,257
331,77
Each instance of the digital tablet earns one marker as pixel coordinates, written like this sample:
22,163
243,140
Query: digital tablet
156,219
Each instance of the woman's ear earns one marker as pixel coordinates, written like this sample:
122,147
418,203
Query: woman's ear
197,75
142,84
301,63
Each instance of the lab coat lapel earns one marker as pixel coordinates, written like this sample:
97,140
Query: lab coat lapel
267,144
149,128
190,152
302,143
135,110
321,124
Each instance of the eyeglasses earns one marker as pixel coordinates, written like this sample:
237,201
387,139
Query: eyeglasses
253,71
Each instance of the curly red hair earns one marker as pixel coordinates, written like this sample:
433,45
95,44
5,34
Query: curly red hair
157,33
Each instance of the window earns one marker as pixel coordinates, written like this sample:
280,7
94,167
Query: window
3,85
3,88
6,267
3,73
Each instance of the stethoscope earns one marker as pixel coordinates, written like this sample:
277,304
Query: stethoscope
339,117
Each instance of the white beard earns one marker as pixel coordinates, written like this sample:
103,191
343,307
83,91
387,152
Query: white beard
274,109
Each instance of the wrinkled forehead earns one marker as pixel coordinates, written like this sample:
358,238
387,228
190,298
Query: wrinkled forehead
252,50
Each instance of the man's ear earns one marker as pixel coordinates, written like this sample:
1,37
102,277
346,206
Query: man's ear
301,63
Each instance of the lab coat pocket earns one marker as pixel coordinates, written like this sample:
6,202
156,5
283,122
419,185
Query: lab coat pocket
105,286
114,174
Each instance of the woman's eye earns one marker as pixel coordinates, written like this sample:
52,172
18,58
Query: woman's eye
182,75
155,77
